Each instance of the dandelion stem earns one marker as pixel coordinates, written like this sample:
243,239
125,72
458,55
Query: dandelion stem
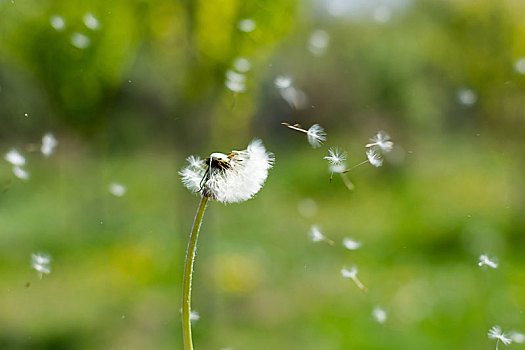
295,128
188,272
355,166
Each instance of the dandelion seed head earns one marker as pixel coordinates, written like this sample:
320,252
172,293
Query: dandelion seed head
350,244
316,136
349,273
381,140
283,81
335,156
80,40
117,189
14,157
374,157
379,314
57,22
49,142
246,25
315,234
484,260
231,178
497,334
91,21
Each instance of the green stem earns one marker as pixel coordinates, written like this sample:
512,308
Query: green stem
188,272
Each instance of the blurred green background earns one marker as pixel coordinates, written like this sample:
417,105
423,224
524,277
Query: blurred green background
131,88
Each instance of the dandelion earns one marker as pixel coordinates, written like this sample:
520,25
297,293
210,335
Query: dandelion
227,178
14,157
116,189
283,82
496,333
381,140
317,236
335,158
40,262
49,142
485,261
350,244
316,135
352,274
374,157
379,314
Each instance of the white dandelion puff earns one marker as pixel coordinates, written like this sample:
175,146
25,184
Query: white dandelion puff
40,262
91,21
352,274
235,82
379,314
80,40
497,334
374,157
317,236
350,244
283,82
381,140
49,142
57,22
242,64
117,189
229,178
335,158
467,97
14,157
484,260
20,173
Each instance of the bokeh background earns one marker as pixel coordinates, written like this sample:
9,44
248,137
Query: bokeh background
130,88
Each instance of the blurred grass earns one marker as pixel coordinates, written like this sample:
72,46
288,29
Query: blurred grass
259,282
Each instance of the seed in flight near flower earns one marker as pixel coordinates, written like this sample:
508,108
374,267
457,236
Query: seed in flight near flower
352,274
49,142
40,262
350,244
381,140
116,189
374,157
379,314
14,157
497,334
335,158
317,236
485,261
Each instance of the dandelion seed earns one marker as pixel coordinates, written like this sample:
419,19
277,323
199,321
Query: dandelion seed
116,189
318,42
381,140
484,260
335,158
467,97
57,22
49,142
230,178
296,98
20,173
315,134
519,66
374,157
317,236
379,314
40,262
80,40
235,82
496,333
194,316
352,274
246,25
91,21
14,157
517,337
26,115
242,64
350,244
283,81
